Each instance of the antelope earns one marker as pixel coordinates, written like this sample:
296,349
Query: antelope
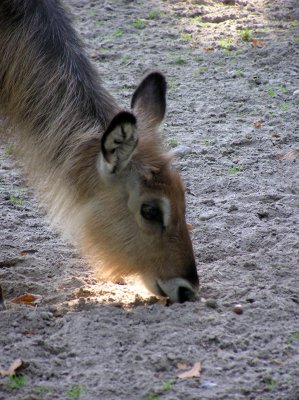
101,171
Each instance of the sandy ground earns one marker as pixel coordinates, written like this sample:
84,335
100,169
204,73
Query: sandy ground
232,70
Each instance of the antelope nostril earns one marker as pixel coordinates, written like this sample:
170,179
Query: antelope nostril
185,294
177,289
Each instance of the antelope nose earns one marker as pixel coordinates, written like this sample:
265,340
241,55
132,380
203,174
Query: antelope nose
185,294
178,290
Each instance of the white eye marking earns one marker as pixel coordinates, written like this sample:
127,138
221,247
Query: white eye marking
166,208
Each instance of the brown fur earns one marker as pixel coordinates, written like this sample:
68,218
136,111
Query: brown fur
58,111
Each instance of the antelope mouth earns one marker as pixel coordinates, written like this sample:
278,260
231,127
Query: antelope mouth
178,290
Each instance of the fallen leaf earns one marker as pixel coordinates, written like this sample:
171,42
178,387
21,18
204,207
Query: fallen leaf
190,227
24,253
93,54
276,361
257,43
28,299
27,332
181,366
208,49
290,155
14,366
275,135
194,372
258,124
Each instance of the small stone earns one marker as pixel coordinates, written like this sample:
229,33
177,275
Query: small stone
250,266
52,309
232,208
208,384
182,150
209,202
237,309
81,301
216,19
46,316
93,54
171,356
6,196
262,214
296,93
212,303
208,216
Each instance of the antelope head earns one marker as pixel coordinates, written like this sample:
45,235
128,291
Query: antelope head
139,218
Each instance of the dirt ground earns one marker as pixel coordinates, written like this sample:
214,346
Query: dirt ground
233,77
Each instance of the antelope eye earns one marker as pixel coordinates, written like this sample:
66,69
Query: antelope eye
151,212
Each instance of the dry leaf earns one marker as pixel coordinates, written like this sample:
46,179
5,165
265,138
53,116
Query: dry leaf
27,332
258,124
290,155
12,368
257,43
275,135
190,227
276,361
24,253
181,366
93,54
208,49
194,372
28,299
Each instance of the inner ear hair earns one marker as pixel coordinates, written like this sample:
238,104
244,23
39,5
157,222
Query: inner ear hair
118,143
121,118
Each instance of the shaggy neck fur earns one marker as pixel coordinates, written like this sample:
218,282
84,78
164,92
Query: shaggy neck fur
53,99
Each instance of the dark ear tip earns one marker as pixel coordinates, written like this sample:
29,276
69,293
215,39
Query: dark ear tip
123,117
157,76
154,79
158,79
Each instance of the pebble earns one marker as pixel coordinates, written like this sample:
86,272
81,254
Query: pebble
208,384
229,2
209,202
81,301
296,93
250,266
46,316
203,151
182,150
171,356
217,18
206,217
52,309
237,309
212,303
232,208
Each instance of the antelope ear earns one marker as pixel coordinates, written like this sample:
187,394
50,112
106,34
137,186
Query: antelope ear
149,99
118,144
